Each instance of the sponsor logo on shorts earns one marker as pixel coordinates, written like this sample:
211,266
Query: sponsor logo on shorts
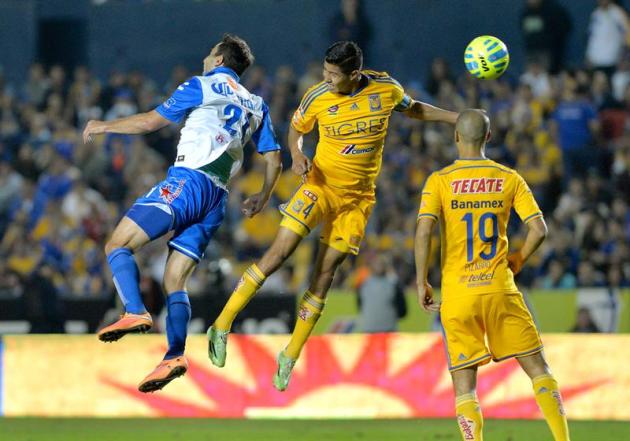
355,240
477,185
351,149
170,192
467,427
180,158
309,194
298,205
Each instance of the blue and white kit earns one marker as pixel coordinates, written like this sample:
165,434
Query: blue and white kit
221,117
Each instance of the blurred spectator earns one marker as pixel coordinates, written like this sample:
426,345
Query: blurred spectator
440,72
545,26
584,322
380,297
575,123
557,277
350,23
608,36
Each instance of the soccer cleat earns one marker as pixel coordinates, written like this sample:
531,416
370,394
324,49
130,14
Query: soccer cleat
283,374
164,373
128,324
217,346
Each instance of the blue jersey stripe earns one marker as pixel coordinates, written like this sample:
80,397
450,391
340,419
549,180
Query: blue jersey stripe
476,166
308,99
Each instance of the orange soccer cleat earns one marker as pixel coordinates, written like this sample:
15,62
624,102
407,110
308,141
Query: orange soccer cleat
128,324
164,373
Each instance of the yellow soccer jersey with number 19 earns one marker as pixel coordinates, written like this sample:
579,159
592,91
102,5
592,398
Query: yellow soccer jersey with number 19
352,129
472,199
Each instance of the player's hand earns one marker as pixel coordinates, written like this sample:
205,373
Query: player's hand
301,164
425,298
254,204
515,262
93,127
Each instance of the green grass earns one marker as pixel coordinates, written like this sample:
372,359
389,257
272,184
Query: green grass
40,429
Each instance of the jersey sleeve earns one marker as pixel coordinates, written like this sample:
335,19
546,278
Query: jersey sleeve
305,116
402,101
187,96
524,202
431,201
265,136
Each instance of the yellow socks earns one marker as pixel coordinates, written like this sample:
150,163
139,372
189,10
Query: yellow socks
309,310
550,403
469,417
252,279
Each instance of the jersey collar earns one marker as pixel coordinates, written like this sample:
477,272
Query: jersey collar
223,70
471,159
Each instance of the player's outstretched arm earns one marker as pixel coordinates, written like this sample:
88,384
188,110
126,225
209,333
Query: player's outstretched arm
427,112
300,163
255,203
536,234
422,248
132,125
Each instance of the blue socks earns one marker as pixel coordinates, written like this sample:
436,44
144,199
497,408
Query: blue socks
127,279
178,308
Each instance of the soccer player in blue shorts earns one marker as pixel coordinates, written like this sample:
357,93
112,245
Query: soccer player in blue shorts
221,116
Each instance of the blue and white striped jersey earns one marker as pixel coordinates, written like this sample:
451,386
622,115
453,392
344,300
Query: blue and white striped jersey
221,117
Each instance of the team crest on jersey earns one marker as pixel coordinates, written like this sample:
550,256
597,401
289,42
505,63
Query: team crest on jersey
332,110
477,185
170,192
298,205
220,139
309,194
169,102
375,102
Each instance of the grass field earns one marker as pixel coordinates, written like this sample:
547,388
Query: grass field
39,429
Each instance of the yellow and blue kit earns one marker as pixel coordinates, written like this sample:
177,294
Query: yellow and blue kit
472,200
339,190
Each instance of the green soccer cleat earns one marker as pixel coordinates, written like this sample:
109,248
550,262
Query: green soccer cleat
217,346
283,374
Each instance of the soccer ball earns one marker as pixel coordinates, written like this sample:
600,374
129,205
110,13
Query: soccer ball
486,57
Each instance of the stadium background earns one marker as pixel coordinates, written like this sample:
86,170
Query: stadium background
64,62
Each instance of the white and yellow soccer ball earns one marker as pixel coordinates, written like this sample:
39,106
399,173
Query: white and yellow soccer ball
486,57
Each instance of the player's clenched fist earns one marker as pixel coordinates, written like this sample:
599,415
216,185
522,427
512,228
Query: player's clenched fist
425,297
93,127
301,165
254,205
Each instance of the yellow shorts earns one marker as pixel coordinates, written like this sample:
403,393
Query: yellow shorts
502,318
343,213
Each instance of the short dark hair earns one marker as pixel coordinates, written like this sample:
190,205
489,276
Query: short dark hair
236,53
345,54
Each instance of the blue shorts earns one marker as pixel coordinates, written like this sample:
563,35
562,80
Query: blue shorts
188,202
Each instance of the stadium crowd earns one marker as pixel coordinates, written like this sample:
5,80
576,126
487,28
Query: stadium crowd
568,134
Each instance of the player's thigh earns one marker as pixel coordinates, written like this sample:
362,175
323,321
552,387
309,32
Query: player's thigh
344,229
192,240
178,269
464,332
127,234
306,208
510,326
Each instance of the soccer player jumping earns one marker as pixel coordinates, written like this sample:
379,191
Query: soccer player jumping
221,116
472,199
352,108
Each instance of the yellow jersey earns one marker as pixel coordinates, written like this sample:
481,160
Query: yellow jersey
472,199
352,129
